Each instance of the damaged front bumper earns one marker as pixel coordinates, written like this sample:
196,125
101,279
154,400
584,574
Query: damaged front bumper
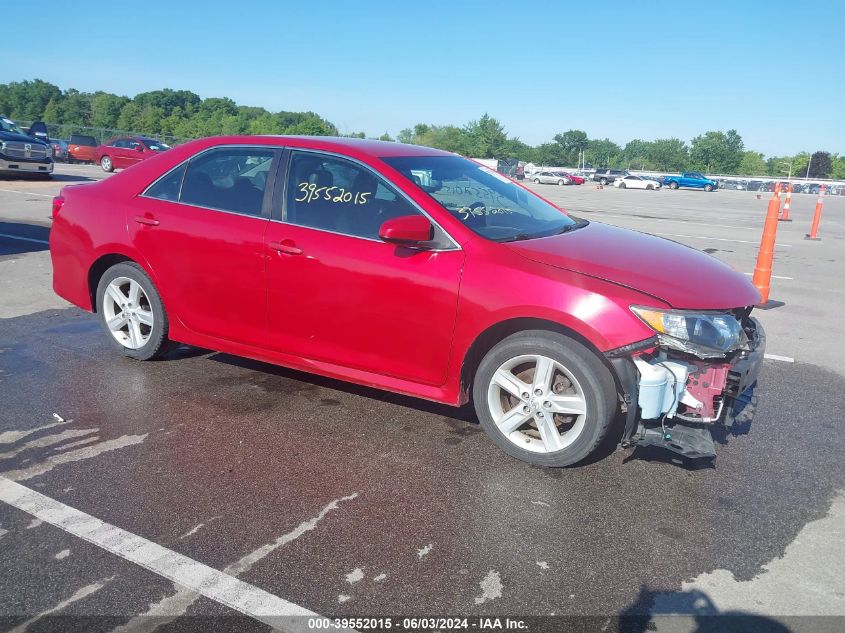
672,399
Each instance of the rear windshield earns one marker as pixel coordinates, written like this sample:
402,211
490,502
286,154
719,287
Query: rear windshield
485,201
78,139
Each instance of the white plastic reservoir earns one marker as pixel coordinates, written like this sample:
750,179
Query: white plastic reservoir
661,386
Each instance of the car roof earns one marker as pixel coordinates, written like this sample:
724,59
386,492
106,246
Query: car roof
352,146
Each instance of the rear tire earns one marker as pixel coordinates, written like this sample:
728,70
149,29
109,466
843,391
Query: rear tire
131,312
622,185
603,181
106,164
527,424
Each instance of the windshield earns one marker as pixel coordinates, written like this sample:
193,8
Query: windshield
9,126
156,146
486,202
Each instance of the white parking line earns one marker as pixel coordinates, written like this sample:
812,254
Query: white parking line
207,581
27,193
773,276
23,239
717,239
785,359
636,217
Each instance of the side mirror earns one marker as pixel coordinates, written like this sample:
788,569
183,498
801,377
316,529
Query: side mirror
139,148
406,230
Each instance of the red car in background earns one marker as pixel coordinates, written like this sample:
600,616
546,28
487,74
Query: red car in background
573,179
416,271
81,149
124,151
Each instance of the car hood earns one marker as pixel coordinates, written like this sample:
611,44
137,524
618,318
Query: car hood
677,274
23,138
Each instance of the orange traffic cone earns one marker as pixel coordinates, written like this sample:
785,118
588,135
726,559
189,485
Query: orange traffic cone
762,279
785,217
817,216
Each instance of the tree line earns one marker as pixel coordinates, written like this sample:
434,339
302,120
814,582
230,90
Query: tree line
183,114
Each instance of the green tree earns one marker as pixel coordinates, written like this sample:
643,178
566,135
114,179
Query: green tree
717,152
668,154
820,165
105,109
602,152
572,142
752,164
837,170
486,137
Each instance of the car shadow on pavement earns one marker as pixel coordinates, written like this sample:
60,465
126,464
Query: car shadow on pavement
54,178
653,607
462,414
19,237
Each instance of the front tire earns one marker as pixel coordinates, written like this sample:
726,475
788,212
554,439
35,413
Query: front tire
673,185
536,181
544,398
708,187
649,187
106,164
131,312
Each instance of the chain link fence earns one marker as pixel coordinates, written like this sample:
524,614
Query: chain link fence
101,134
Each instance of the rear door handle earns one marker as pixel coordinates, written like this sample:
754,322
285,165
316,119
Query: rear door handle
140,219
286,246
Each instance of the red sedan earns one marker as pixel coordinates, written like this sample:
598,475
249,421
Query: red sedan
125,151
415,271
573,179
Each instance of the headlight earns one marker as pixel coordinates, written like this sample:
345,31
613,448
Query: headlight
701,334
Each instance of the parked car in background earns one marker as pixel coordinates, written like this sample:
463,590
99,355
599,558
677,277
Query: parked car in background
82,149
21,153
636,182
60,149
550,178
573,179
690,180
458,285
125,151
607,176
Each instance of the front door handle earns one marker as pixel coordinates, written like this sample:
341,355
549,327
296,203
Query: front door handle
140,219
286,246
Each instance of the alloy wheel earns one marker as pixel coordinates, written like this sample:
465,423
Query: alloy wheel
536,403
128,313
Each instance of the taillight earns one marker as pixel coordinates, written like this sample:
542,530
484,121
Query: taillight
58,201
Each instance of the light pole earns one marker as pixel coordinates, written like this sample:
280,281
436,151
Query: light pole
789,177
809,162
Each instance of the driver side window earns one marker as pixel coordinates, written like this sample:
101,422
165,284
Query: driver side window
332,194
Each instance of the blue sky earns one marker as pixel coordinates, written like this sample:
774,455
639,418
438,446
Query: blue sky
775,71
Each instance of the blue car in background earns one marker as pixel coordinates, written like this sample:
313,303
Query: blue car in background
691,180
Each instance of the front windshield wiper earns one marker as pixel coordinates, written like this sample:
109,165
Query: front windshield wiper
518,237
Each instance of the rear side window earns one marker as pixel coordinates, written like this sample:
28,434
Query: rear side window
79,139
167,188
229,179
333,194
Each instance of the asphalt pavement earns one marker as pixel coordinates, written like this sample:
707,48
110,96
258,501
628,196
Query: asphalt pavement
338,500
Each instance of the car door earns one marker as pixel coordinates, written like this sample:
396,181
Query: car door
117,152
338,294
201,230
134,152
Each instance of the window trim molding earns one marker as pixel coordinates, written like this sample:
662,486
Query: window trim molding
266,204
